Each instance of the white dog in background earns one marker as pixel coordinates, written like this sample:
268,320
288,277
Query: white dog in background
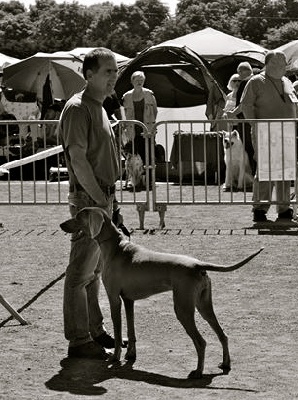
238,170
134,169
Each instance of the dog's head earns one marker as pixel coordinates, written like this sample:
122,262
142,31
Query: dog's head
89,220
230,139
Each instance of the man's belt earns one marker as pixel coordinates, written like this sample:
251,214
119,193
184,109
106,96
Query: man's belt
108,190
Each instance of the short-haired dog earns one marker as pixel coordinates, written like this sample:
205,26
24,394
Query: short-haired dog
131,272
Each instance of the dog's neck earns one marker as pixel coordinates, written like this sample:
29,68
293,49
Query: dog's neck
109,239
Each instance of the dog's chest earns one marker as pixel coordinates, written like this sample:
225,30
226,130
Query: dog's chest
233,155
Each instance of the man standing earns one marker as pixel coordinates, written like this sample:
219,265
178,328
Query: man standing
270,95
91,157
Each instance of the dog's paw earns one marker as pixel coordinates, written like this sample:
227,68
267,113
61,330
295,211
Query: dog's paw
225,368
195,374
130,356
114,358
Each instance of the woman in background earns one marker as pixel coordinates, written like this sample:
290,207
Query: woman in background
139,104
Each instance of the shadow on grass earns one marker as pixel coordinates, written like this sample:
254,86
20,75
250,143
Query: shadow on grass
277,227
82,376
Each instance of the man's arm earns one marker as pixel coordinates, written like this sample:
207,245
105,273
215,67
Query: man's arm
248,99
85,175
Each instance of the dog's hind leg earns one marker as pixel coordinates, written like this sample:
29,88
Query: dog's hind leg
205,308
131,347
184,305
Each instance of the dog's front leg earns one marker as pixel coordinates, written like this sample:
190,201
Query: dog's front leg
115,305
131,348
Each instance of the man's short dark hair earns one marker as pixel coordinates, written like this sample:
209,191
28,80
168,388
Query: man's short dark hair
93,59
271,54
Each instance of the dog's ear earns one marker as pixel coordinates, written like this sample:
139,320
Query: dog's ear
92,220
71,226
235,133
88,220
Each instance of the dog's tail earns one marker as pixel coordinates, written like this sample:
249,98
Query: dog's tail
222,268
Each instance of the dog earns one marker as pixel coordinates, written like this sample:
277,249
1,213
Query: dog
134,168
134,171
131,272
238,170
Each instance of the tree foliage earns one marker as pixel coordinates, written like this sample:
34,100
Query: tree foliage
128,29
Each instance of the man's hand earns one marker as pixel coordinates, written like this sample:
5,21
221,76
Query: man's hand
117,219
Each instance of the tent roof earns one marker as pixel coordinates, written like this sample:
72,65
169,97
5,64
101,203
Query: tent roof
6,60
82,51
177,76
291,51
211,43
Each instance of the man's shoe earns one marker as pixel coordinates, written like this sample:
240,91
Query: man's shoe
88,350
286,214
107,341
259,216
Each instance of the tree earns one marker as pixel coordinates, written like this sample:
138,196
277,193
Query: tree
16,36
259,16
126,29
60,26
277,37
169,29
154,12
13,7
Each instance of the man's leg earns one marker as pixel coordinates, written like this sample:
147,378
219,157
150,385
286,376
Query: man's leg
283,191
80,276
261,191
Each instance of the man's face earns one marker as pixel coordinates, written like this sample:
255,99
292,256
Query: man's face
104,80
276,66
244,73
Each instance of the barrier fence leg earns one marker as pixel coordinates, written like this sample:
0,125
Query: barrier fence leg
12,311
141,208
161,208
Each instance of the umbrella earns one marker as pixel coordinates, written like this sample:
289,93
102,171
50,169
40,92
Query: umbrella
30,75
291,52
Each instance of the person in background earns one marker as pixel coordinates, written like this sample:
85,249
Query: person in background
91,158
270,95
113,107
245,73
139,104
233,86
53,113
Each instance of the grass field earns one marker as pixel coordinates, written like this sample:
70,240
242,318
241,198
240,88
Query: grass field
256,305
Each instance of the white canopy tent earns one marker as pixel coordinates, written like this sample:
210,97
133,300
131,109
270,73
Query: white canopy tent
212,44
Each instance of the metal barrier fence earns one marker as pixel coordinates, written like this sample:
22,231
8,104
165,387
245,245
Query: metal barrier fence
30,151
184,163
200,164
